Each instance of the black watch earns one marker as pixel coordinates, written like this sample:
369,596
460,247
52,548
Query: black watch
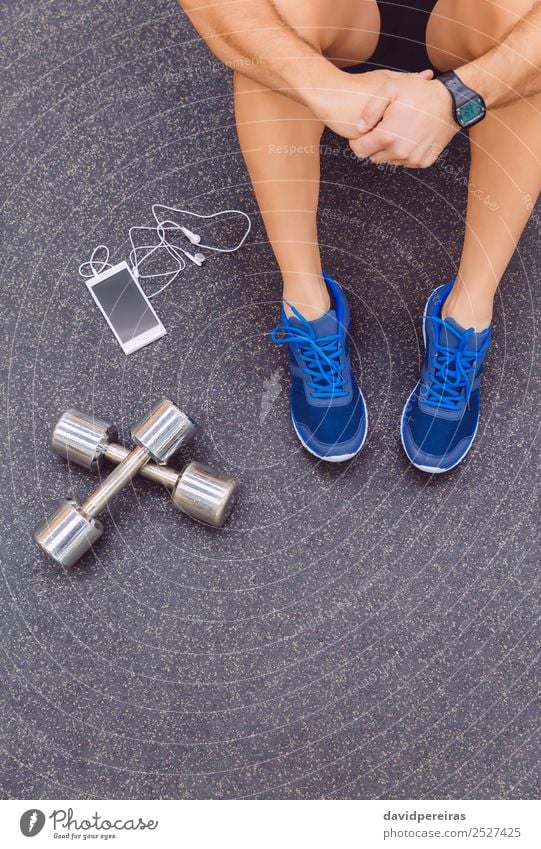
468,106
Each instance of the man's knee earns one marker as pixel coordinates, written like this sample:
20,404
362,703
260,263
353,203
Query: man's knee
343,30
496,20
308,19
460,31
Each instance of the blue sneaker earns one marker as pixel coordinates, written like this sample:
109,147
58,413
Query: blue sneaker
327,407
440,419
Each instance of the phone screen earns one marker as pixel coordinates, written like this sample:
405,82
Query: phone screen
125,306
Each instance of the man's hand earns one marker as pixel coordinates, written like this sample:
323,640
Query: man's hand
356,103
416,127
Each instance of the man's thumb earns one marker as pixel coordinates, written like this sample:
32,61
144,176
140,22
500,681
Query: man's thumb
372,113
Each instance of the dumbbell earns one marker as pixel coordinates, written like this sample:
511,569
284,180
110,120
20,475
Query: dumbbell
74,528
197,491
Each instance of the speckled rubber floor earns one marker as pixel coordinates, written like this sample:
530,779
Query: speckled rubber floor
358,631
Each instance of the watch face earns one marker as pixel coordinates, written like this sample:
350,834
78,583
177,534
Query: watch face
471,112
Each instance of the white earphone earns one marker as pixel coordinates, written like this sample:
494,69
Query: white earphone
95,266
139,254
169,225
198,258
193,237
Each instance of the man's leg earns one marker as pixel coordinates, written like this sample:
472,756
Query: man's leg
441,416
280,142
505,172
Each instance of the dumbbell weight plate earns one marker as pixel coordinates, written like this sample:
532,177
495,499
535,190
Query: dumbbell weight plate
163,430
67,534
204,495
80,438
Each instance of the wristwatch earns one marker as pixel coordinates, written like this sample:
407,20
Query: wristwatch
468,106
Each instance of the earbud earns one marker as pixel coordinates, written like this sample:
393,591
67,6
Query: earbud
164,226
193,237
198,258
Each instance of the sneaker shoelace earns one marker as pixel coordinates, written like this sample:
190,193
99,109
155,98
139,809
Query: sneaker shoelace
321,357
450,384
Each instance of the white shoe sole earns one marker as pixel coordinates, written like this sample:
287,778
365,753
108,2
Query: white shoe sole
338,458
433,470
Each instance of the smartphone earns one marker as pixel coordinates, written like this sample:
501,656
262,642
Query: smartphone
125,307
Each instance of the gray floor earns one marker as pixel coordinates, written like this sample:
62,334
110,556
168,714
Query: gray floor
355,632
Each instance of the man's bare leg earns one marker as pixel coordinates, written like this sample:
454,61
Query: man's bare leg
280,138
505,171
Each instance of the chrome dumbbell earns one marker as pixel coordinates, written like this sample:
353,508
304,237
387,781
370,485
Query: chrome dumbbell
74,528
197,491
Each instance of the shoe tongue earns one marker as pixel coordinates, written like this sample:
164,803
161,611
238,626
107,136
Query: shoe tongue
325,325
451,340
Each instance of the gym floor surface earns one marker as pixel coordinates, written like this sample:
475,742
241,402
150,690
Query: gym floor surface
356,631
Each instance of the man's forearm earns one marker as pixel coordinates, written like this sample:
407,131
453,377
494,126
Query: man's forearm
250,36
512,69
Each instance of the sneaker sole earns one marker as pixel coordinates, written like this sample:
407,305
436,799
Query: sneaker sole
431,470
337,458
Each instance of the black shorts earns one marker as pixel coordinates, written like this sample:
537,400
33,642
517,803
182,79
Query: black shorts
402,40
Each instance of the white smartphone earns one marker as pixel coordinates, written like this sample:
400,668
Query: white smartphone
126,308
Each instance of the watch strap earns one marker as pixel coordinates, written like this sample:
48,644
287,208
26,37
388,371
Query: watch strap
461,93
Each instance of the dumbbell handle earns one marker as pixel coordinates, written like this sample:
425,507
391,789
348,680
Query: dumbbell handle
116,454
132,463
157,436
197,491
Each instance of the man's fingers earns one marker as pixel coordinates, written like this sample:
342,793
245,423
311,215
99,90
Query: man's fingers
416,158
427,74
376,105
372,113
371,143
385,159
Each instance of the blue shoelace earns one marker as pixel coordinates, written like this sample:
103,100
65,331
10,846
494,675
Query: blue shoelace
449,386
320,355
